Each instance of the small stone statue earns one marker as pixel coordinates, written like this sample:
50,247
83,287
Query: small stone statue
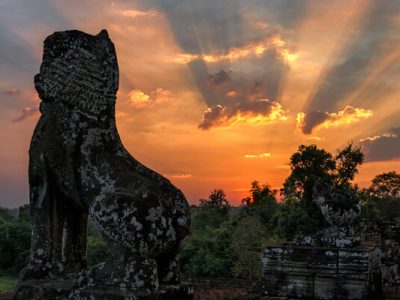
340,207
78,167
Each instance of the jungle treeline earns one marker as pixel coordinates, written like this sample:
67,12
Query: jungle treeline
226,240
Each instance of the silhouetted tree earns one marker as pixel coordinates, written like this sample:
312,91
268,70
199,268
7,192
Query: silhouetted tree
261,203
308,165
216,200
259,194
347,162
382,199
386,186
311,164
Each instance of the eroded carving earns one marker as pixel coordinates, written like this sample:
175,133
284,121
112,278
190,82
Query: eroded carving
78,168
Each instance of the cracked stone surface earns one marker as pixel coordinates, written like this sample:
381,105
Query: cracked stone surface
78,168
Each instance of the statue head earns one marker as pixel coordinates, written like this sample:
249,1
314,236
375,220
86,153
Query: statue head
79,70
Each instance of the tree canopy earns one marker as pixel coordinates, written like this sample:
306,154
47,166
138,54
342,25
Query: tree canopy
216,200
310,164
382,199
386,186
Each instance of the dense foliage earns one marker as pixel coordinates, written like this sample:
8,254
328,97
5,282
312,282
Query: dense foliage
227,241
230,243
15,240
15,237
382,199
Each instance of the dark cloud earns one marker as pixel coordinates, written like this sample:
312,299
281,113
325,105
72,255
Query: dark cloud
260,111
312,120
307,122
376,35
222,87
220,77
26,113
11,92
382,147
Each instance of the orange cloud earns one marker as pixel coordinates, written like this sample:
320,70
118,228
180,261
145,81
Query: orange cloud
231,94
260,24
140,99
307,122
123,116
262,155
27,112
248,50
138,13
178,175
254,112
11,92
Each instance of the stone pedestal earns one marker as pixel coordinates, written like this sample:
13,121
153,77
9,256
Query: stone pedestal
44,289
64,289
321,272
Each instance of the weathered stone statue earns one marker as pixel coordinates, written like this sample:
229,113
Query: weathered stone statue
78,168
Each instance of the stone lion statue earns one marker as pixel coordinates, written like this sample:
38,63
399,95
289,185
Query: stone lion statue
78,167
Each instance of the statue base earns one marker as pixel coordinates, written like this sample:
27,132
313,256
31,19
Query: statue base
64,289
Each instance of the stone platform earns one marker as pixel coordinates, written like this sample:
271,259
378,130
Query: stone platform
64,289
321,272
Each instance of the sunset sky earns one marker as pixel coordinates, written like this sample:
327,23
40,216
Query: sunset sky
218,93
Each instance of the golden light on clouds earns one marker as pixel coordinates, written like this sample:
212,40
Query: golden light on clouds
307,122
349,115
138,13
139,99
254,49
378,137
231,94
258,112
262,155
277,114
288,56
